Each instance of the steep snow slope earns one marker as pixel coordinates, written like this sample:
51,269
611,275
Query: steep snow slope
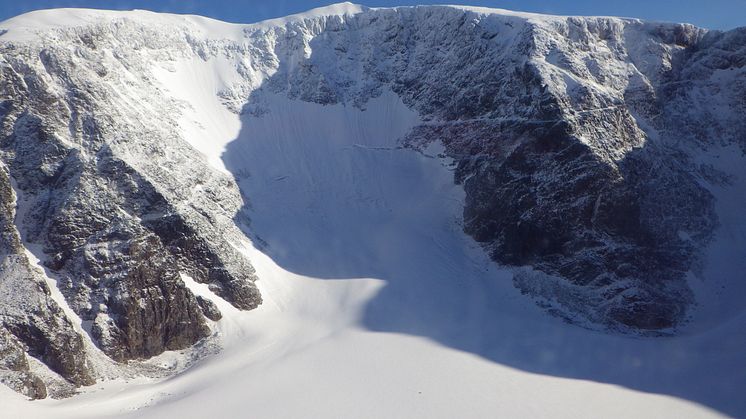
375,301
376,305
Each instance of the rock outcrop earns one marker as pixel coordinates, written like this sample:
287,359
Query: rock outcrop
30,320
574,140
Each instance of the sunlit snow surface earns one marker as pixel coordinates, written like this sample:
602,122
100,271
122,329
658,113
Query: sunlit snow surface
377,305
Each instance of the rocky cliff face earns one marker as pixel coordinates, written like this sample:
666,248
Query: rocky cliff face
573,139
32,322
115,225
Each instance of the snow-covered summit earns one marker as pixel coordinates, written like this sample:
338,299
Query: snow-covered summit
25,25
338,9
163,163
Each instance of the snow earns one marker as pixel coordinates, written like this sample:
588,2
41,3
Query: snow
102,366
376,303
26,27
23,27
22,209
337,9
720,288
206,123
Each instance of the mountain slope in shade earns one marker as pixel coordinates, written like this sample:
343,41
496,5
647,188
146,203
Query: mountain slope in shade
159,159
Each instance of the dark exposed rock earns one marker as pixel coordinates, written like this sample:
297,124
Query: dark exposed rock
28,312
209,309
205,264
147,307
14,369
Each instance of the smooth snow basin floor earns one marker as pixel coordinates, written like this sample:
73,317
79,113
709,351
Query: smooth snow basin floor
378,306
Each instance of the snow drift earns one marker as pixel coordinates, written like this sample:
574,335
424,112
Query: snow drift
348,158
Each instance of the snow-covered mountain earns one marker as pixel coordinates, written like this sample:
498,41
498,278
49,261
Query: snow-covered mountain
409,170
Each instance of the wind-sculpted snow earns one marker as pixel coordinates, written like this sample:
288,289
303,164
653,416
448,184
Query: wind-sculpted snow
556,132
575,141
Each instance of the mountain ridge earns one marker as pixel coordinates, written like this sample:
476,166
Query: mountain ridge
336,9
574,139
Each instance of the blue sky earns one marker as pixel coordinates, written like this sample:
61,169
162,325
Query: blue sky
714,14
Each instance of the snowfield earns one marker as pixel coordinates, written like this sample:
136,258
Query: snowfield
376,303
